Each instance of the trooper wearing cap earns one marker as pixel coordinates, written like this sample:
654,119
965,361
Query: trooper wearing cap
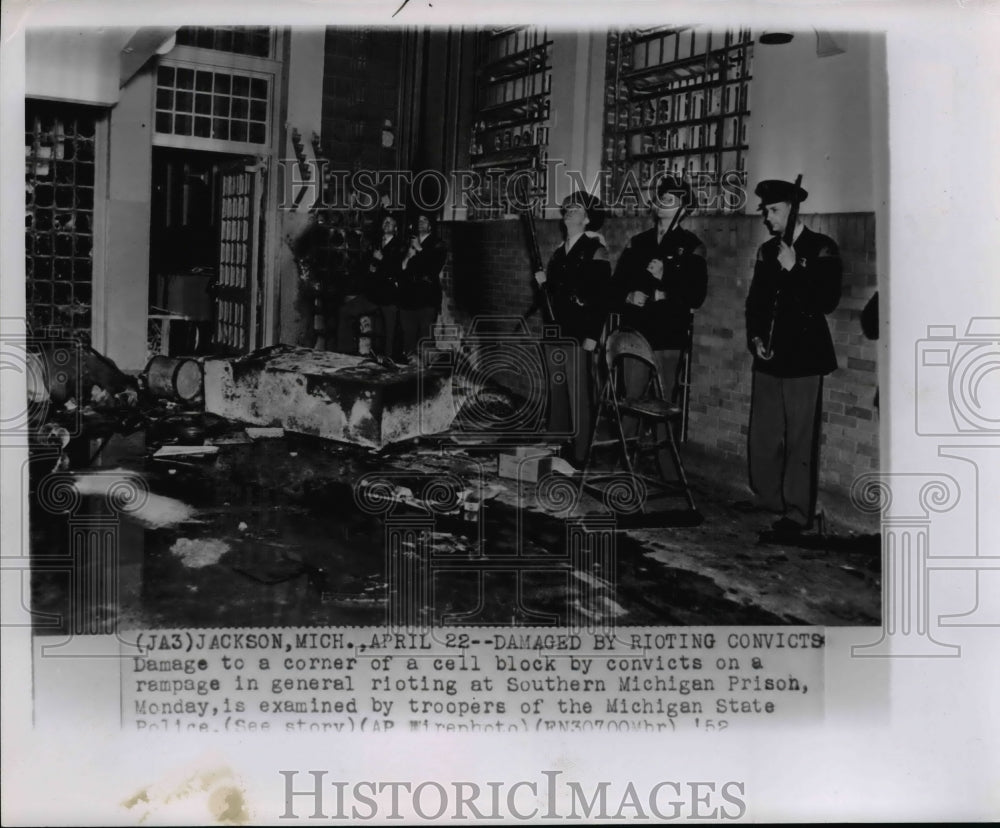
660,279
576,282
793,288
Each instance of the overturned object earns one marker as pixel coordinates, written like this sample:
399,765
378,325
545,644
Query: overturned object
527,464
335,396
69,374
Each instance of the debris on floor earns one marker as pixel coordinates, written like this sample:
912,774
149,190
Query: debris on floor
265,433
196,553
290,526
185,451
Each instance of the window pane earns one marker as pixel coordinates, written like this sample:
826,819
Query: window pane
258,133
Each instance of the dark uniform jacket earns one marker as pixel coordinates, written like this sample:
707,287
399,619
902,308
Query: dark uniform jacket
578,285
685,282
420,280
378,279
802,345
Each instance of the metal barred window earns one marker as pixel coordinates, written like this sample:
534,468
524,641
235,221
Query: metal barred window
60,154
511,128
677,100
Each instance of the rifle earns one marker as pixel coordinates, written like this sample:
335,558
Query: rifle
534,253
787,237
676,220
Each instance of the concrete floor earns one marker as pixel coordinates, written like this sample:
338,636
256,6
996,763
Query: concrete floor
271,533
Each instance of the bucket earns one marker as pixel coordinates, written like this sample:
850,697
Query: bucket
366,333
175,378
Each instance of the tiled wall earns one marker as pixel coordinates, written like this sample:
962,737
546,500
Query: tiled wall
489,273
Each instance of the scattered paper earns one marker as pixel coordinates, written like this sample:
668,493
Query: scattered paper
265,433
184,451
199,552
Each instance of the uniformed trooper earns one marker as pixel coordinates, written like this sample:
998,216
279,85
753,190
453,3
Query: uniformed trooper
577,281
793,288
661,278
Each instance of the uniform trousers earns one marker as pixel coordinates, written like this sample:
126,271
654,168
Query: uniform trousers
417,324
784,444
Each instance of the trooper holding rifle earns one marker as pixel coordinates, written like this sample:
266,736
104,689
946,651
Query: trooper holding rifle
661,278
796,282
575,285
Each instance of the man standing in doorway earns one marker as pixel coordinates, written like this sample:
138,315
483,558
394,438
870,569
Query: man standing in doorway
794,287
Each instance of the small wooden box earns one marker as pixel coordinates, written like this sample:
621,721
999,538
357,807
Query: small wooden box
528,464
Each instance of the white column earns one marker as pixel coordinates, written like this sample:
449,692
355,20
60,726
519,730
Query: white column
905,501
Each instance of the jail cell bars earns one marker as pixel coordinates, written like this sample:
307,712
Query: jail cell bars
60,156
237,260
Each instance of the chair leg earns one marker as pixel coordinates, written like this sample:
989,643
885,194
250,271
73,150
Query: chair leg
624,444
590,448
679,466
641,426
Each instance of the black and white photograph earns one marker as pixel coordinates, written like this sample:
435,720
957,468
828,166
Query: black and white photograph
311,284
389,379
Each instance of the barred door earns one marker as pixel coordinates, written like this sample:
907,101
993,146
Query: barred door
237,291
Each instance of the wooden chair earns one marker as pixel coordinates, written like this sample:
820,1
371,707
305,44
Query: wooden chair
651,409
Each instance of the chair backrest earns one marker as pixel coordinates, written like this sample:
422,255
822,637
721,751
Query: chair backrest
622,345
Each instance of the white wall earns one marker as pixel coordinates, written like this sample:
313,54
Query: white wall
80,65
126,246
814,115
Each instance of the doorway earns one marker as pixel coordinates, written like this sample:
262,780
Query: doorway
205,253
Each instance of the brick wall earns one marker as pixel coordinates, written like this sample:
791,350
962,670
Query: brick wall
489,273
